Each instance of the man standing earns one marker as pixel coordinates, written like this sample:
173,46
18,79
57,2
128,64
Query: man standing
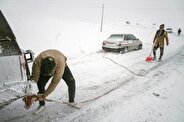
160,37
179,31
52,63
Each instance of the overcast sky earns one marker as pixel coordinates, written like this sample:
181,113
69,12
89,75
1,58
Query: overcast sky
90,10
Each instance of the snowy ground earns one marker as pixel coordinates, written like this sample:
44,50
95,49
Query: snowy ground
130,89
135,99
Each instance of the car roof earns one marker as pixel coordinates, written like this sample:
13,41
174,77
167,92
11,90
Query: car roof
5,29
7,39
120,34
169,29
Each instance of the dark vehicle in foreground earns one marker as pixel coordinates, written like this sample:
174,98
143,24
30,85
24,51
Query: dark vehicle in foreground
13,62
12,59
122,43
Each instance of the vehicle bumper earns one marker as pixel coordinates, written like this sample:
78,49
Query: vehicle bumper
112,49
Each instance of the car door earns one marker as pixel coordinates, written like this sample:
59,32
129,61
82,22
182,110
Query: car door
135,43
128,42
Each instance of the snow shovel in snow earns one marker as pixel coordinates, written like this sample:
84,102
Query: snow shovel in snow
150,58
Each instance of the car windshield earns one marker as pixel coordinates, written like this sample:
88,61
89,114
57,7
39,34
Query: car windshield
115,37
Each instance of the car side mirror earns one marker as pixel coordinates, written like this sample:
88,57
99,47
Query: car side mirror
29,55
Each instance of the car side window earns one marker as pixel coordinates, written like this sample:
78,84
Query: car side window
127,37
133,37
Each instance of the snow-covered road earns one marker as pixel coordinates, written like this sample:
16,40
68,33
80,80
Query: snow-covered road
124,96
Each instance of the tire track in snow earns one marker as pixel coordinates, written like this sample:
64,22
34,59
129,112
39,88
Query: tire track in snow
119,85
133,78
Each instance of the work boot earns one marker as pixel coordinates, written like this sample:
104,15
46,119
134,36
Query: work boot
40,106
42,102
154,58
159,60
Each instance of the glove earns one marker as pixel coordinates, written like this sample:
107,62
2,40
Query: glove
40,97
28,100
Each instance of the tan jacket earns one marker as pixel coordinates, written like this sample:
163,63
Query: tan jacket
160,39
60,61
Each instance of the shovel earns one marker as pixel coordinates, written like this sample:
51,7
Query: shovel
150,58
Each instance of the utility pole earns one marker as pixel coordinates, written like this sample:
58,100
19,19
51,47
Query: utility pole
102,18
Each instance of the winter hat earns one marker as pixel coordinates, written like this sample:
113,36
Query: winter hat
162,26
47,65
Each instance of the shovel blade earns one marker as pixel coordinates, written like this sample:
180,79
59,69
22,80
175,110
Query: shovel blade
149,59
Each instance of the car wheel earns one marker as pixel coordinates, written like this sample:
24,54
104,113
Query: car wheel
121,51
125,49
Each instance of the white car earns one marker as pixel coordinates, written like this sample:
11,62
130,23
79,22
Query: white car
121,43
169,30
